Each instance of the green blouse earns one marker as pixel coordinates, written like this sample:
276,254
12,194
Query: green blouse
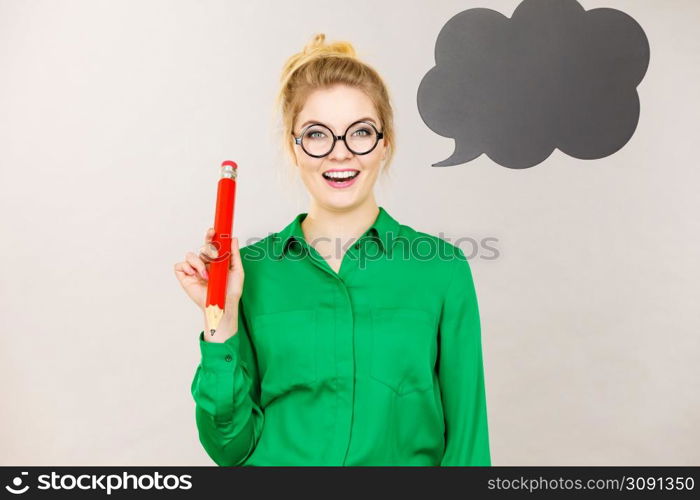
378,364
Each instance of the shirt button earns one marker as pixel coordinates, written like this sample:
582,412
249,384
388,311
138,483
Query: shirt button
228,357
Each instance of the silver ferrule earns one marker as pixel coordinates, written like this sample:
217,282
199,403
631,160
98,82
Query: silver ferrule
228,172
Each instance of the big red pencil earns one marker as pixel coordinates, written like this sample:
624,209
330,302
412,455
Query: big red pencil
223,230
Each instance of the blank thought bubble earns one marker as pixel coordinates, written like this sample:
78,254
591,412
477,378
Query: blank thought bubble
552,76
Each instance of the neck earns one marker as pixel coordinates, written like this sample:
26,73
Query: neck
345,224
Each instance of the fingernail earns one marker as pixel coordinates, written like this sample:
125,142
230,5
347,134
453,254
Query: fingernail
205,274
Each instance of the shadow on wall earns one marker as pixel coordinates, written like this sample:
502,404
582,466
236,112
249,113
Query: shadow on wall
552,76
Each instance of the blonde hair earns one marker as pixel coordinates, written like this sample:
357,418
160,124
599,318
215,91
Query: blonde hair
321,65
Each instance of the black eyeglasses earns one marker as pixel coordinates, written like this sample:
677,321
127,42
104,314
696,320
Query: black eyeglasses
318,140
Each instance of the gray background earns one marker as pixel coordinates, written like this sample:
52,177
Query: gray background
114,118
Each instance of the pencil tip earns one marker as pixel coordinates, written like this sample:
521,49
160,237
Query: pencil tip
212,331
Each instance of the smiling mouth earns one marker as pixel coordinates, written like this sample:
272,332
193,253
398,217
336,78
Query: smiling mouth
340,176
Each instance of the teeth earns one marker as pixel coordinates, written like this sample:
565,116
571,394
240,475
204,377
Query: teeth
340,175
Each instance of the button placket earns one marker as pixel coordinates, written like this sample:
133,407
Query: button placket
353,253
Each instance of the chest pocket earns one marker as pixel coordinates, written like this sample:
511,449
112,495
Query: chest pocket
286,343
404,348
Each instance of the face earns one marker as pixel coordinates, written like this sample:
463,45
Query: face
336,108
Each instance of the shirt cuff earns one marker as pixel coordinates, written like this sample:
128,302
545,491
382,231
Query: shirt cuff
219,355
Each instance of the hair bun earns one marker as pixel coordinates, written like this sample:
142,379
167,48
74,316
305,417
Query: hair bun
318,46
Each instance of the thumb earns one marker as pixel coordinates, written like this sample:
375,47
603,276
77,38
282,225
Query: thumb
231,298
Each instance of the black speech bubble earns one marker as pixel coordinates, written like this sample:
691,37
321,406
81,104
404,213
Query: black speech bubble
552,76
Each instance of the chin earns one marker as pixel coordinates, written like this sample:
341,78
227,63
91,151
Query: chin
343,204
340,202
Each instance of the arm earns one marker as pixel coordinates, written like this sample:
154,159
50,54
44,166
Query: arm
461,372
226,391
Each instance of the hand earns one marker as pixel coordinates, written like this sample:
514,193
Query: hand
192,273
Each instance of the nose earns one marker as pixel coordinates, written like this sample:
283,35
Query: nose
340,150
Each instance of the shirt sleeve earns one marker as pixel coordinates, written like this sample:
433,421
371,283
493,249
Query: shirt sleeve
226,391
461,372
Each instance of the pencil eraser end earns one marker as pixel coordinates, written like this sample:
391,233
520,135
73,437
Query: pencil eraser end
229,163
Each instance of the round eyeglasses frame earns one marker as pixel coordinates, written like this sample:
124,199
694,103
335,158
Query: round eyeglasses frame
297,140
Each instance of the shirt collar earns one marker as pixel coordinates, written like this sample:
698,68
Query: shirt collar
385,228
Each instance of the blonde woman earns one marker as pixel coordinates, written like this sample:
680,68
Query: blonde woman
356,339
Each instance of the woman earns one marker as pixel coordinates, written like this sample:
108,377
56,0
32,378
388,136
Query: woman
332,354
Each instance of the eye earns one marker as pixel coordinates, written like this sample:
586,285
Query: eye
364,130
312,134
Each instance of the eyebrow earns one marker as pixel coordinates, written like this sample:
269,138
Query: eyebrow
366,118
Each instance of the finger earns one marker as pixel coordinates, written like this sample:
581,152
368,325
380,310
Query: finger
183,268
208,252
197,263
209,235
189,269
235,261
